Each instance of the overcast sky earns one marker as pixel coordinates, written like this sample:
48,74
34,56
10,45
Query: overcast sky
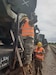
46,11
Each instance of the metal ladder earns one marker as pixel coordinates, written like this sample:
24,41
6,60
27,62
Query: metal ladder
16,49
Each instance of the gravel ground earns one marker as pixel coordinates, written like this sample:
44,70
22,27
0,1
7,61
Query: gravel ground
49,64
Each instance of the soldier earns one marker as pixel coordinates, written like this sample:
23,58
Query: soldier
39,57
27,34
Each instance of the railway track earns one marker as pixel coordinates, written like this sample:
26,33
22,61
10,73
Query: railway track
53,48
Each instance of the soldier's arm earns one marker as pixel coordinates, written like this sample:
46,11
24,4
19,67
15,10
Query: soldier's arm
43,52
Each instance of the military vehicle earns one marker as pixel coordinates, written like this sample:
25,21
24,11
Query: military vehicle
39,37
42,39
8,16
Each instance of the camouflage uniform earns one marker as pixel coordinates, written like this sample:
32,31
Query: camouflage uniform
28,45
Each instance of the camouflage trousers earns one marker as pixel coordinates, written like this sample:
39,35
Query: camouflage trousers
38,66
29,46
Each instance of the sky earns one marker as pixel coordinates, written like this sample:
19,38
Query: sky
46,12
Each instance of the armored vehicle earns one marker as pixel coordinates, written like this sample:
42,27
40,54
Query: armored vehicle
39,37
8,16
